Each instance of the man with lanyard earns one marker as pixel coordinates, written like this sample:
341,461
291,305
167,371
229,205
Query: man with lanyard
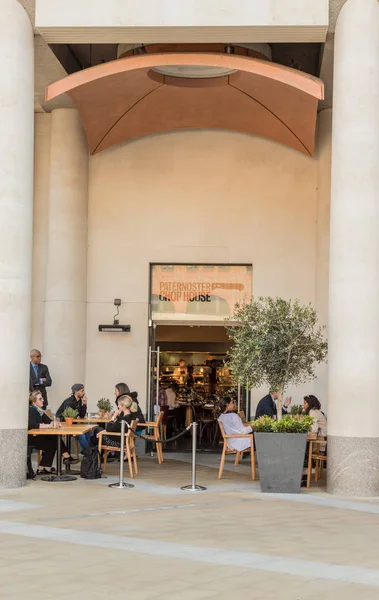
39,376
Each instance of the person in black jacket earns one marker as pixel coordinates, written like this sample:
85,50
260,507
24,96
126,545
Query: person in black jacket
77,401
267,406
127,411
121,390
38,419
39,376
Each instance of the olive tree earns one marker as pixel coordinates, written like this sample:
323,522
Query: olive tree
275,342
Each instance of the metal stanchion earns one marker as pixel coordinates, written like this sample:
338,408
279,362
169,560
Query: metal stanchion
121,484
193,487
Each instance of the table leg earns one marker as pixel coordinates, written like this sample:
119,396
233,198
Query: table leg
59,456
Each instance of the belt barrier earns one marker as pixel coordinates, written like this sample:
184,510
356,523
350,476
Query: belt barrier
149,439
192,488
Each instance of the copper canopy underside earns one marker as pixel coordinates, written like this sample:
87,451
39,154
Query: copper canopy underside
125,99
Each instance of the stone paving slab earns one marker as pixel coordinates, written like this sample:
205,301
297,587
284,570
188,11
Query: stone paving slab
157,542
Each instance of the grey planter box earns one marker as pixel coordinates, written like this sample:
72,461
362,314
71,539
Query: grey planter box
280,461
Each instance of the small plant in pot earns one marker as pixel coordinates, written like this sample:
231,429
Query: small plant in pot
69,415
104,406
277,343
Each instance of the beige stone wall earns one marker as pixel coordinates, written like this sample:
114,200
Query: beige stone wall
209,197
193,197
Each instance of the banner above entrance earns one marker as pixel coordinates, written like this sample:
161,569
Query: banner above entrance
201,293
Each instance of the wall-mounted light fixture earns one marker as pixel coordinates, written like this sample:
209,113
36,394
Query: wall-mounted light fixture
115,327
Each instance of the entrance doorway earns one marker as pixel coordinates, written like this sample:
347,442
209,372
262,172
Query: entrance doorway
193,374
189,344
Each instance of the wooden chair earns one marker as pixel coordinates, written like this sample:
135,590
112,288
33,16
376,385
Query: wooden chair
129,447
226,450
317,455
156,435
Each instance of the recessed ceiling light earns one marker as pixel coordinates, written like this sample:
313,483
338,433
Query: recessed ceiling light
193,71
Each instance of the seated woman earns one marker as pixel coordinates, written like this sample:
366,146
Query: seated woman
38,419
127,411
312,407
225,413
121,390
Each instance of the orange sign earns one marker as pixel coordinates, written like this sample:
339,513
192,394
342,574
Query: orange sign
198,292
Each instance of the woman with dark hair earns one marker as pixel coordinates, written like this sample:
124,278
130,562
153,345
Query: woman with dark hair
225,413
312,407
121,390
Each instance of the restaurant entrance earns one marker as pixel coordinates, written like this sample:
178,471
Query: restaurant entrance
189,373
188,343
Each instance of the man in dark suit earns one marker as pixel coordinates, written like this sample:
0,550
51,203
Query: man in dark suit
267,406
39,378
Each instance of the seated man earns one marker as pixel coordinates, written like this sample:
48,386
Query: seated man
267,406
78,401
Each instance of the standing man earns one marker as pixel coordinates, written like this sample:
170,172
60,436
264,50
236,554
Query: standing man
267,406
39,378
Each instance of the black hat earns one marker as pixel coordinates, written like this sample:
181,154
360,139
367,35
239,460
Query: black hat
77,387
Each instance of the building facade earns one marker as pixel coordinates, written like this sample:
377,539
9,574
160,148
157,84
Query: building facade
256,144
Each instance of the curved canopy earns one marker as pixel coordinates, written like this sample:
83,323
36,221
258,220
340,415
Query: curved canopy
127,99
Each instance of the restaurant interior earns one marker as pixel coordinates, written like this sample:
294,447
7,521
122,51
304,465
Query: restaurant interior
194,358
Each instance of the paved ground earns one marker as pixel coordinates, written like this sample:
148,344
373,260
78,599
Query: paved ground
82,540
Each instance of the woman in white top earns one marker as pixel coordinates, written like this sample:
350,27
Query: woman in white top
312,407
233,424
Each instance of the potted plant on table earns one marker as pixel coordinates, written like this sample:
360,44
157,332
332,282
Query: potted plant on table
277,343
104,407
69,415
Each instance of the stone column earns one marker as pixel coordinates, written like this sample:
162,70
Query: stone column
324,145
42,135
353,408
66,272
16,221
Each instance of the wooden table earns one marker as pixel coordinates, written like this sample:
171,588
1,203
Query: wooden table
92,420
73,430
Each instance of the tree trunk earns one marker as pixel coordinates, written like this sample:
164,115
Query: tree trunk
279,404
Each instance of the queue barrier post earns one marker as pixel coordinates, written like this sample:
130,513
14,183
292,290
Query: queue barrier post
122,484
193,487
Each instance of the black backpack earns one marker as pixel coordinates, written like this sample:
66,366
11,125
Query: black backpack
90,467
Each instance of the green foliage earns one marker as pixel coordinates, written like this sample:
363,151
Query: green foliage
289,424
70,413
276,343
263,424
104,404
297,409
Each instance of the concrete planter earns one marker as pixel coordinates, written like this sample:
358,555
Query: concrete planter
280,461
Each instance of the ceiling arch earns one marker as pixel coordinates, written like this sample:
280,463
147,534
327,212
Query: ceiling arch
127,99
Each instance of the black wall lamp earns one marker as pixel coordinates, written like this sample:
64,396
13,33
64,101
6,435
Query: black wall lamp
116,327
